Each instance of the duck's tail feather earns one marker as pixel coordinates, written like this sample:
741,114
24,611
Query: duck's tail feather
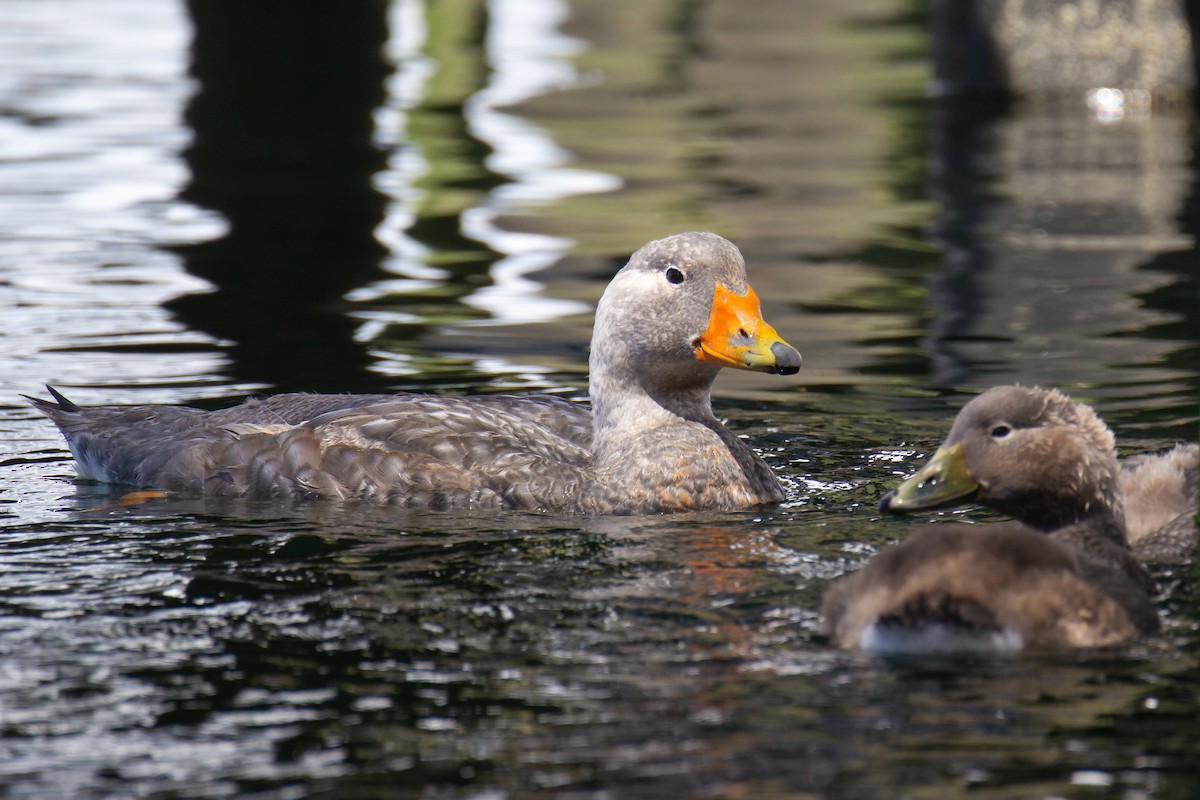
61,404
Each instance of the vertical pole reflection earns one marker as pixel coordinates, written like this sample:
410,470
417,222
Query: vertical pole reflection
1053,224
1067,225
283,126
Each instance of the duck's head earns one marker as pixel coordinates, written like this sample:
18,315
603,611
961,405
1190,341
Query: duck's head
681,309
1027,452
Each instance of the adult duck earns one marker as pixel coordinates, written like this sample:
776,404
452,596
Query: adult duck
672,317
1062,576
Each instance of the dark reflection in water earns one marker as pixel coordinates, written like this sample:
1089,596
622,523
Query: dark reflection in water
283,123
1069,252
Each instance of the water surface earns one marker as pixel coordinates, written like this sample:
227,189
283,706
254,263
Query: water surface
195,208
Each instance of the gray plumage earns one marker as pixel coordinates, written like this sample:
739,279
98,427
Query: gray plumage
649,442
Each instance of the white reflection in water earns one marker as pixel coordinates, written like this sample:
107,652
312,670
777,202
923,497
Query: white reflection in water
89,172
529,57
405,88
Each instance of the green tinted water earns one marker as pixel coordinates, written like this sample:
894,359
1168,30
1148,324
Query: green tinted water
443,219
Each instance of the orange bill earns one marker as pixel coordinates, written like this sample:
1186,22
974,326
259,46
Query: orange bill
737,336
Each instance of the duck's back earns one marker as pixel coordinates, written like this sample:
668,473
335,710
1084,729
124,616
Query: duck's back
1160,499
999,587
420,450
430,451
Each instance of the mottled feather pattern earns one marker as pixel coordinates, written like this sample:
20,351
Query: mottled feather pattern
708,474
510,452
415,450
652,444
267,448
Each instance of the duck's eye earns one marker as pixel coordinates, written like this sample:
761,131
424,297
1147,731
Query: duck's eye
674,275
1000,431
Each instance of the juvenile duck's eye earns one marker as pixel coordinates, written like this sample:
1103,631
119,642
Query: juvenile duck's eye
1000,431
674,275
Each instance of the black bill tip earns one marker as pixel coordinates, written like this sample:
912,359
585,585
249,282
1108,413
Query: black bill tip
787,359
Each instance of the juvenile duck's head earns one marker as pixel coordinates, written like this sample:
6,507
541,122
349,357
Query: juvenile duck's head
681,309
1027,452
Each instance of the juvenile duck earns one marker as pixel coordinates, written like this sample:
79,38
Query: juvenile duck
672,317
1064,577
1048,462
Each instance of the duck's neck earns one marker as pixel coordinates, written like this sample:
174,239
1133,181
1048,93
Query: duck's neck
627,401
1098,507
